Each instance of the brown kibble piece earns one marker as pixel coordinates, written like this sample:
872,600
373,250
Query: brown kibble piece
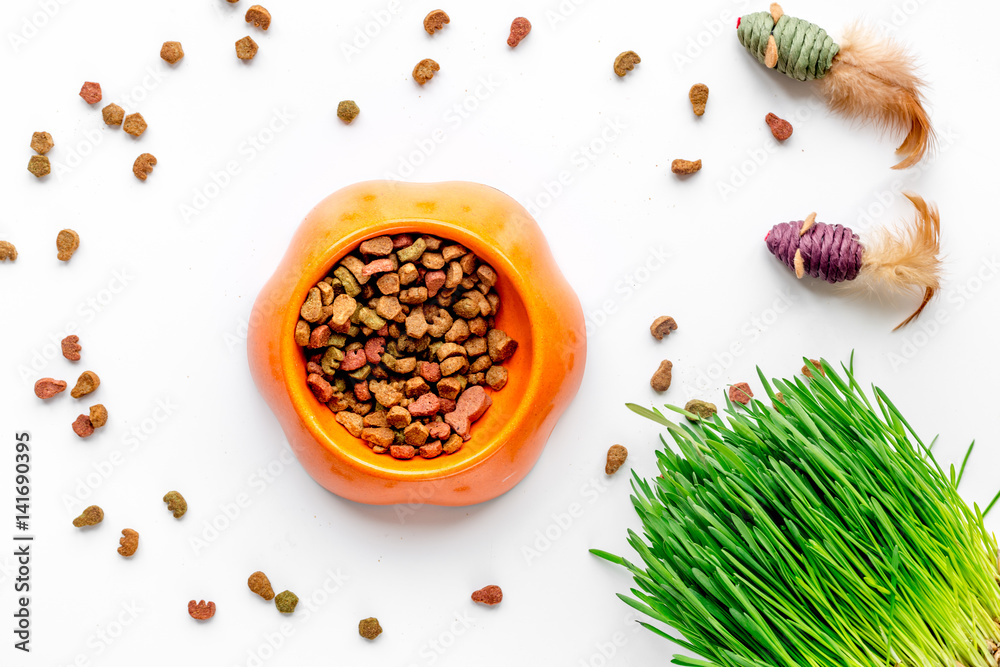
261,585
699,98
740,393
661,378
176,503
39,166
246,48
85,384
625,61
67,242
143,166
685,167
424,71
98,415
496,377
91,92
259,17
129,543
46,388
807,369
519,29
347,111
171,52
113,114
404,452
616,457
369,628
780,128
82,426
91,516
7,251
436,20
201,611
134,124
71,347
662,326
41,142
488,595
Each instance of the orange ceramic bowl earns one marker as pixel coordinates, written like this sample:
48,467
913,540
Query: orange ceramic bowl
538,309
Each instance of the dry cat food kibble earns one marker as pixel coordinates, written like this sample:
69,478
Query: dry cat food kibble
201,611
740,393
488,595
519,29
246,48
347,111
699,98
41,142
435,21
780,128
702,409
134,124
7,251
91,92
71,347
424,71
83,427
39,166
143,166
261,585
685,167
625,61
46,388
814,364
369,628
113,114
661,378
129,542
176,503
67,243
259,17
400,340
91,516
616,457
85,384
171,52
662,326
286,602
98,415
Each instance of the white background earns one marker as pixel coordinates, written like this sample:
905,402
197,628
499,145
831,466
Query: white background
161,289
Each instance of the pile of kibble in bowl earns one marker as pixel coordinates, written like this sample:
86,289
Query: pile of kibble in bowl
401,345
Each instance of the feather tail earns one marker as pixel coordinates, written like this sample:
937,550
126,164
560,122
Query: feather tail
905,258
874,79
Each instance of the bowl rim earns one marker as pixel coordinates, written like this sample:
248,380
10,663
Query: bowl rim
305,403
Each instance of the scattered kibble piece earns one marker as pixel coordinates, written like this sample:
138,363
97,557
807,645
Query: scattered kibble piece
85,384
82,426
740,393
41,142
259,17
143,165
171,52
7,251
701,409
662,326
625,61
424,71
699,98
685,167
176,503
129,542
91,92
46,388
519,29
661,378
813,364
780,128
261,585
71,347
91,516
201,611
134,124
616,457
286,601
488,595
780,398
67,243
39,166
113,114
246,48
369,628
436,20
98,415
347,111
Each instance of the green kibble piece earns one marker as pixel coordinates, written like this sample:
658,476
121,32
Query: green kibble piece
347,279
354,331
369,628
361,373
389,362
176,503
370,319
286,601
347,111
703,409
412,252
338,340
340,384
331,360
